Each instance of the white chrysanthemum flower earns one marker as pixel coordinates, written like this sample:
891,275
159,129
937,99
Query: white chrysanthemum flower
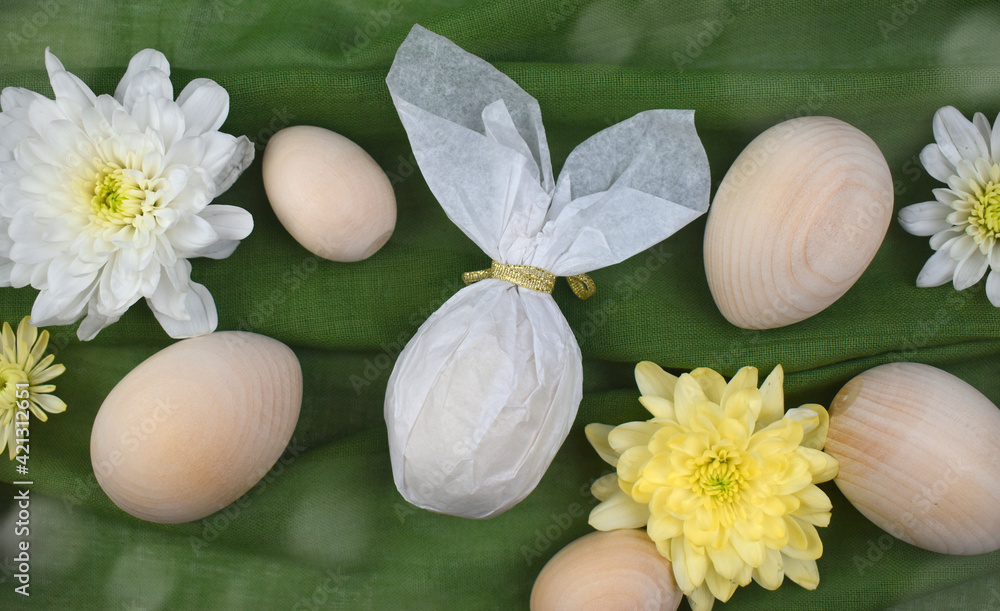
964,222
104,199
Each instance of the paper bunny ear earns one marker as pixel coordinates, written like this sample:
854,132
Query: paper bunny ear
477,137
623,190
481,147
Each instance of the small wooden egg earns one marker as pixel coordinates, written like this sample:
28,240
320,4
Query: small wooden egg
196,425
796,220
328,193
617,570
919,453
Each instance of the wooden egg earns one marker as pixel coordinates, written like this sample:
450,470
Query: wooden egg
796,220
616,570
328,193
196,425
919,453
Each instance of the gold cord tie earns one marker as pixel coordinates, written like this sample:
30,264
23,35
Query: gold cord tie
534,278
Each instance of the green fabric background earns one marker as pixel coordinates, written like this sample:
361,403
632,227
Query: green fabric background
326,528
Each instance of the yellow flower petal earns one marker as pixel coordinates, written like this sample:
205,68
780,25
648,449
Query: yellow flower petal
726,561
37,411
632,462
701,535
604,487
690,564
687,395
744,378
822,466
721,587
711,382
770,574
619,511
658,406
664,526
42,372
803,540
653,381
744,405
597,435
7,441
631,434
701,599
753,553
772,392
803,572
692,445
26,336
39,349
814,506
9,343
815,423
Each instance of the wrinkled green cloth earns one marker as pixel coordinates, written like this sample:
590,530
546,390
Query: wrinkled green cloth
326,527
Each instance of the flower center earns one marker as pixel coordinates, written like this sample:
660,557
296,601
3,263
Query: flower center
717,474
984,216
10,376
121,197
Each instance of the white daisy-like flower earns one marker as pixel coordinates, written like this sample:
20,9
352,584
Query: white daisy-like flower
104,199
964,221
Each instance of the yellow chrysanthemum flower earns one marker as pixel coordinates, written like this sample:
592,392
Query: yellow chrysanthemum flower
21,363
721,477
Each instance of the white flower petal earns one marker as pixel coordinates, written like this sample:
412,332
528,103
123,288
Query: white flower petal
93,324
152,82
205,104
185,152
926,218
995,141
202,315
942,239
957,137
226,158
982,124
218,250
993,287
171,122
947,197
5,270
229,222
191,234
168,298
970,270
939,269
66,85
962,247
936,164
141,62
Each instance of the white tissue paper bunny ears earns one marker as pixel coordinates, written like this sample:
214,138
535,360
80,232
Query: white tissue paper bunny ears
484,394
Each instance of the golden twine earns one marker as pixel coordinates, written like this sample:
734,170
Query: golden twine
534,278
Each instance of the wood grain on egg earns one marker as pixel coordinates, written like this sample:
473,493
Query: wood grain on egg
919,453
796,220
329,193
196,425
616,570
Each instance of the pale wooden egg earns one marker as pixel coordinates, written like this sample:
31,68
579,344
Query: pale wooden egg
919,453
796,220
328,193
617,570
196,425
